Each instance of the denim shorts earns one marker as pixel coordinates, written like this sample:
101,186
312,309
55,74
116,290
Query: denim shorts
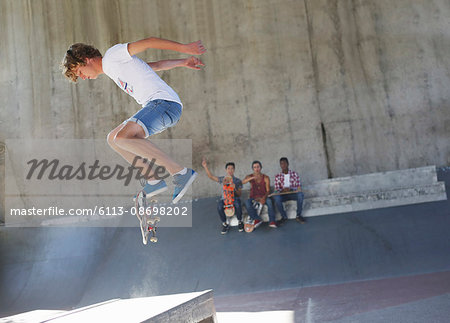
157,115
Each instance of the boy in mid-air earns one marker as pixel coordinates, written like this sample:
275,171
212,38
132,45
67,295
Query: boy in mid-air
161,106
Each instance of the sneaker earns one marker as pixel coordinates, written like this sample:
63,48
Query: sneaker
182,183
273,224
300,219
241,226
225,228
152,190
282,221
257,223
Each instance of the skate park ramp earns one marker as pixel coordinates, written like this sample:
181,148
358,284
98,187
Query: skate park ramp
390,264
187,307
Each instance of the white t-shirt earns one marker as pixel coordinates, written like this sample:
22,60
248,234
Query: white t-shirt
136,77
286,181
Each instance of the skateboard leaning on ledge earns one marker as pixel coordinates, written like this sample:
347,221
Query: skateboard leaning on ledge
147,223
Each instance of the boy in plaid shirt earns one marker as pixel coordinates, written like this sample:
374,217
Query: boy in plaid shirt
288,180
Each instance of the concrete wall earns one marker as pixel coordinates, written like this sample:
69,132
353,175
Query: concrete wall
340,87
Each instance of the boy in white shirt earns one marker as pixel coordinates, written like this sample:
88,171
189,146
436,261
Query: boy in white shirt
161,106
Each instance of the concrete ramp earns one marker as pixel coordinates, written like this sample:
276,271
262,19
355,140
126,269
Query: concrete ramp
187,307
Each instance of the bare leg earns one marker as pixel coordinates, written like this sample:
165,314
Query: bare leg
131,138
129,156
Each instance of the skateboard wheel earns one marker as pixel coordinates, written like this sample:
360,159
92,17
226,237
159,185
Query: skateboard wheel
154,239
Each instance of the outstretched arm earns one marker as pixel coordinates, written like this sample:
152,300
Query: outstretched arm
191,62
194,48
211,176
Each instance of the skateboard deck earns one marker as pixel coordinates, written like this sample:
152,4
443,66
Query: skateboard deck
147,223
284,193
249,226
228,196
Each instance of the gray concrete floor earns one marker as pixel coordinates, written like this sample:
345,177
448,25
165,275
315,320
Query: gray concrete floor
418,298
371,266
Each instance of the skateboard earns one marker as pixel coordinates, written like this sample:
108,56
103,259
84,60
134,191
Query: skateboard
249,225
147,222
228,196
284,193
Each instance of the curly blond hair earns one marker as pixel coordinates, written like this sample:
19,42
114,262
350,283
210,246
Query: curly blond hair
76,55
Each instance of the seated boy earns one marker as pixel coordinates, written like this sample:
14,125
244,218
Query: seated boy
236,183
288,180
